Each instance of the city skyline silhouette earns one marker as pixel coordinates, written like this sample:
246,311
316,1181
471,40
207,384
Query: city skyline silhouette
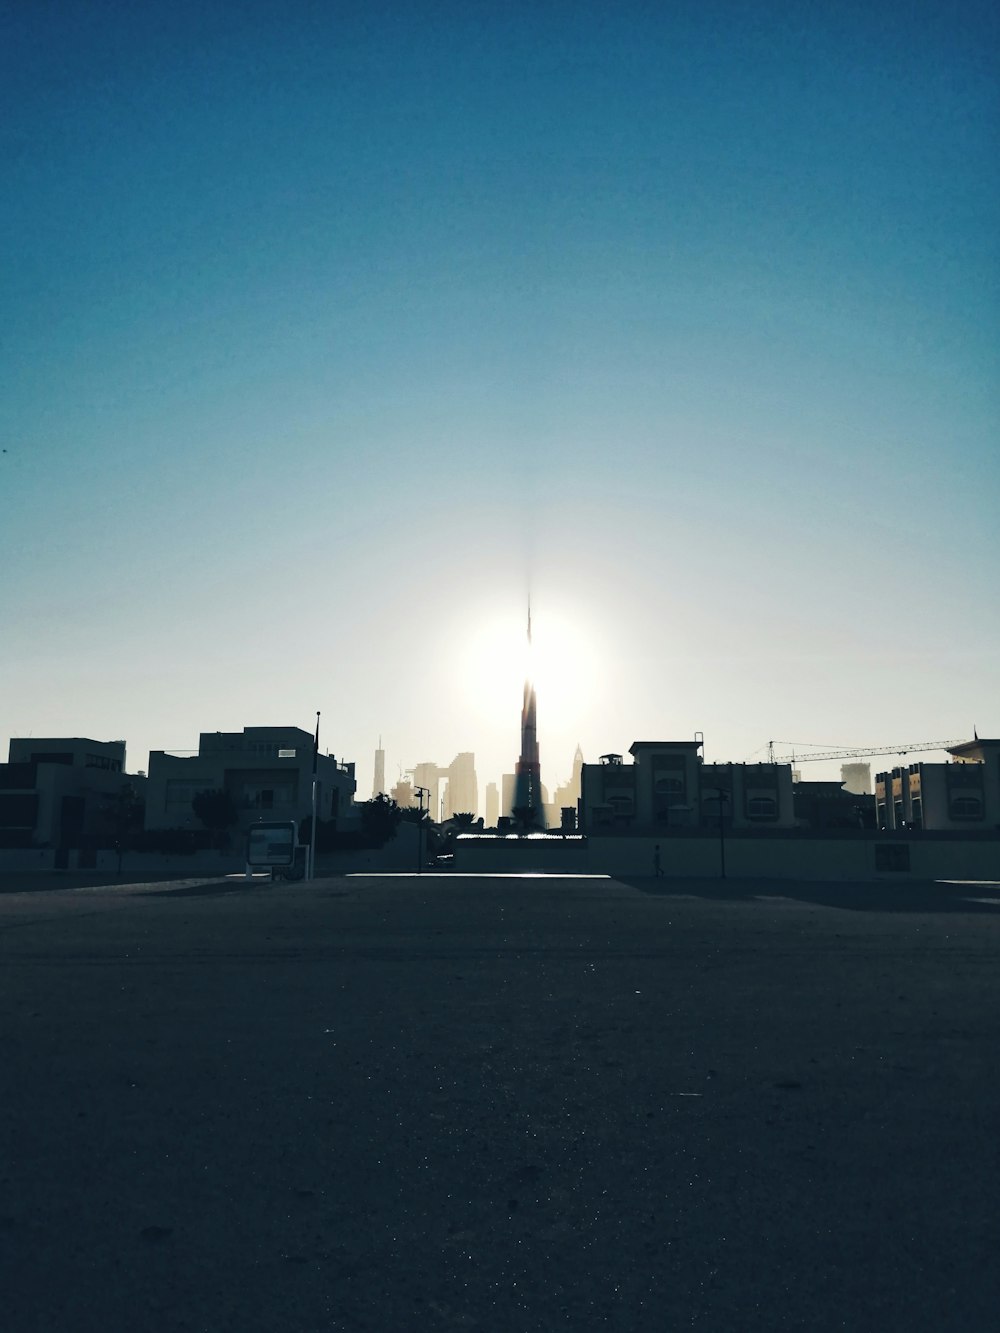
433,975
328,336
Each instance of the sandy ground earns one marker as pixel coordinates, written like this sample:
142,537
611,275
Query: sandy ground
499,1104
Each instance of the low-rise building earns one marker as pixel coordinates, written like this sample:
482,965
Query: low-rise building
64,792
669,787
832,805
963,795
266,771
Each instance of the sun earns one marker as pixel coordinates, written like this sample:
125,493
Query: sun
496,659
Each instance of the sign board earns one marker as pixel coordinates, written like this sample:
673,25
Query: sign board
271,844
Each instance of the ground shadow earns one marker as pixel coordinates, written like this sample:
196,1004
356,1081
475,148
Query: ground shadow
968,898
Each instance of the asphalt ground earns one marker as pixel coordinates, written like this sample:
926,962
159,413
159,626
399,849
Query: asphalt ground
499,1104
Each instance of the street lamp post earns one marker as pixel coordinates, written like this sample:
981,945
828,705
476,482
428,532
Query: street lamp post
723,794
421,793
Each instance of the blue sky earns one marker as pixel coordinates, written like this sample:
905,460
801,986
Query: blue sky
329,329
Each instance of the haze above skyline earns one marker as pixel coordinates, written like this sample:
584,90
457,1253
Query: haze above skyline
330,331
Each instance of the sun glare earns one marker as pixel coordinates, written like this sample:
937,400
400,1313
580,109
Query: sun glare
561,662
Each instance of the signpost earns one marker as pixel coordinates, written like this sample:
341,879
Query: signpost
271,845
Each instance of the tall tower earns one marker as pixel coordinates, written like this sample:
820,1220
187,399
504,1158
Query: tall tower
527,771
378,786
492,805
462,791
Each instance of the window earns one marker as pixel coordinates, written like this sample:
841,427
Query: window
966,807
180,792
103,761
762,807
267,798
669,786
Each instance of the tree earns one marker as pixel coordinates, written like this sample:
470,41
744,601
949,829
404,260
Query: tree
217,811
464,819
125,813
414,815
525,818
380,818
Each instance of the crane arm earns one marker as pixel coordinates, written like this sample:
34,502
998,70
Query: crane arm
861,752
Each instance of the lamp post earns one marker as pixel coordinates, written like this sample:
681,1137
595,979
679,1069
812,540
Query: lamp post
723,794
421,793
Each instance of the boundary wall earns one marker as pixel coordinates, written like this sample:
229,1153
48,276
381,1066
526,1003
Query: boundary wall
862,857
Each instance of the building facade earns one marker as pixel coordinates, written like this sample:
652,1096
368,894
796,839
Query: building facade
461,795
267,772
669,787
856,778
566,797
962,796
506,795
492,805
64,792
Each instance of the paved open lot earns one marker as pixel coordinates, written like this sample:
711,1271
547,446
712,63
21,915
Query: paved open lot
499,1104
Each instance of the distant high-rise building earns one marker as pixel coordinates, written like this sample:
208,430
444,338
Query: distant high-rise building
567,796
428,776
378,786
528,798
462,792
402,794
857,778
492,805
507,794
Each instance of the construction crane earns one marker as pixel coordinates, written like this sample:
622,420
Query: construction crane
859,752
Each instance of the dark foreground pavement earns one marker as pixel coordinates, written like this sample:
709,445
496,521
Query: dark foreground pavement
503,1104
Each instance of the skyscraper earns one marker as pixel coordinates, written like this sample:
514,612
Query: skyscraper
428,775
492,805
567,796
378,786
527,771
462,791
